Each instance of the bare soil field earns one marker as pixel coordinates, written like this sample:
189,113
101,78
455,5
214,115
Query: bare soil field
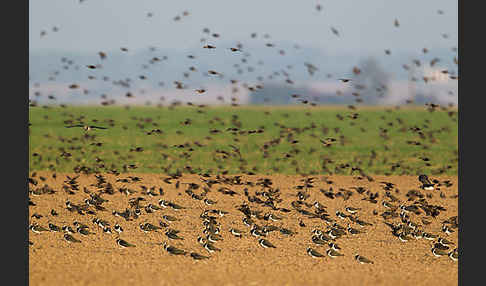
98,260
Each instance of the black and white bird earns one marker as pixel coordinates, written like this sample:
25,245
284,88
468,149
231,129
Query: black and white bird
53,227
438,252
446,229
124,244
209,202
35,228
236,232
86,127
334,246
362,259
317,240
118,228
67,229
454,254
170,233
333,253
313,253
426,183
352,210
210,247
174,250
265,243
198,256
70,239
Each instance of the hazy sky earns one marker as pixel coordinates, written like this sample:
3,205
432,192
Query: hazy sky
104,25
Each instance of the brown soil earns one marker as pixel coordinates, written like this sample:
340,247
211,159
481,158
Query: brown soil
99,261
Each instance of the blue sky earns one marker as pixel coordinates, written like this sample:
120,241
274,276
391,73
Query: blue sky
364,26
366,29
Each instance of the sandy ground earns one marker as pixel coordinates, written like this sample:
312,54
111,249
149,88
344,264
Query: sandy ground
98,260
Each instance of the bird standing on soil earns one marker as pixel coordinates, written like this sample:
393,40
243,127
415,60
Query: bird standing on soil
426,183
123,244
70,239
265,243
362,259
313,253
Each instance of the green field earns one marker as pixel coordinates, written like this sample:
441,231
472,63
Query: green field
289,144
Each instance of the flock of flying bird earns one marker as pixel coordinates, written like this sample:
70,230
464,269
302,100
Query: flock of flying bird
406,220
242,65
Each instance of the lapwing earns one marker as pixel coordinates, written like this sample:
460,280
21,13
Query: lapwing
404,237
429,236
353,231
163,224
256,232
426,183
201,240
285,231
164,203
444,242
236,232
446,229
333,253
313,253
418,234
272,217
441,246
319,206
124,244
362,223
67,229
221,213
173,250
54,228
70,239
209,202
171,234
454,254
362,259
35,228
83,231
341,215
170,218
214,237
438,252
118,228
36,215
352,210
198,256
212,229
80,225
388,205
146,227
334,246
248,221
150,208
176,206
317,240
210,247
265,243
